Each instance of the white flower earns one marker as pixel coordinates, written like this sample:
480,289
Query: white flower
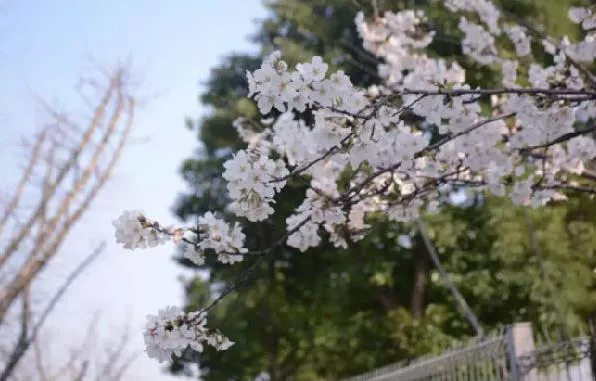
509,73
296,95
478,43
586,111
267,77
356,102
549,47
520,39
589,23
252,183
131,233
580,149
219,342
267,102
387,116
313,71
340,80
172,331
322,93
307,235
578,14
521,192
193,255
218,236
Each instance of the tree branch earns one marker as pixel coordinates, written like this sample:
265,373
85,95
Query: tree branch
24,343
44,243
459,298
25,177
61,175
589,94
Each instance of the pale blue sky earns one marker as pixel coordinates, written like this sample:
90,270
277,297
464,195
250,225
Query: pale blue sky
44,49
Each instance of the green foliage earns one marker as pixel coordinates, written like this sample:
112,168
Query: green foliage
329,313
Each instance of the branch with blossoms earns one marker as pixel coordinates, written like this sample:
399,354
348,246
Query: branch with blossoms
362,154
549,93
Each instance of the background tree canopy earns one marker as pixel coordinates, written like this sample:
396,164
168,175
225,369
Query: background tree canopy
329,313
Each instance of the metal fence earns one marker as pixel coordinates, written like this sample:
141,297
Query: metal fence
572,360
510,356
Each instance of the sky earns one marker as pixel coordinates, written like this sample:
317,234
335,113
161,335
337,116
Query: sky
45,48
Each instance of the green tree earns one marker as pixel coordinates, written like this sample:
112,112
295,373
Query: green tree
331,313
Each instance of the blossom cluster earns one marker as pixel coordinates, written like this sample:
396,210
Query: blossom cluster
215,234
251,184
133,230
172,331
583,16
495,153
360,157
273,86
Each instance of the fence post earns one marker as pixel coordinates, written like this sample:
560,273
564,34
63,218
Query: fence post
519,340
592,330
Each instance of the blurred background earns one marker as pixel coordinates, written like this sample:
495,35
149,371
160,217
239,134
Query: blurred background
108,106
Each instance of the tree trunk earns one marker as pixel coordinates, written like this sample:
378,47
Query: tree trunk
387,297
420,284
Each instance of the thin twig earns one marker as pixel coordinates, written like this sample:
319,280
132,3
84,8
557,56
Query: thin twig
563,138
21,349
246,275
459,298
25,178
541,35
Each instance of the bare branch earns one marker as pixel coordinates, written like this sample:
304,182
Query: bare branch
52,235
79,353
564,138
26,176
80,376
116,363
38,358
26,339
62,174
461,301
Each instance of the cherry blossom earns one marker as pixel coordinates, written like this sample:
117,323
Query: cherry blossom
133,231
583,16
313,71
530,140
520,39
172,331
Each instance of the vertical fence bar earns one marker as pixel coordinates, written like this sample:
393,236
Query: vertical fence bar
510,346
509,356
